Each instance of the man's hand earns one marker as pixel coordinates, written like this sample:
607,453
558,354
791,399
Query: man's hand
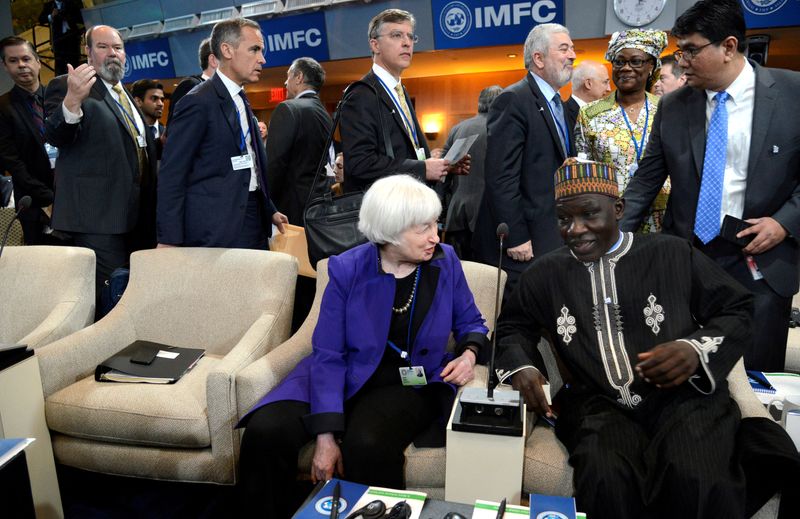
669,364
79,84
460,371
461,167
529,383
279,219
522,252
327,459
768,233
435,169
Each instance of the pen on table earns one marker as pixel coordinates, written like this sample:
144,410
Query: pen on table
501,510
335,501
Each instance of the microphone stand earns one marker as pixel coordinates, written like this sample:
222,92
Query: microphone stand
489,385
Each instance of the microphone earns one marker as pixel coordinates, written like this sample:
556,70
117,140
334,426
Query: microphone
24,203
502,234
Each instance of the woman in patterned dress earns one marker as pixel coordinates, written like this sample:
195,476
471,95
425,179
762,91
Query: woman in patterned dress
615,129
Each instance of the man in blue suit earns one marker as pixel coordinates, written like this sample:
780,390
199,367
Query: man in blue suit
212,188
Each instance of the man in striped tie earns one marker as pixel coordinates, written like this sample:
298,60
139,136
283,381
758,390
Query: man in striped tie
22,146
105,167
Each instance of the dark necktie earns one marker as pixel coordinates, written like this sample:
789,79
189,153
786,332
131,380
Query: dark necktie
253,131
558,111
37,112
153,132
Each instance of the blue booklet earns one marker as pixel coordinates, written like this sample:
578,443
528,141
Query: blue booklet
320,505
552,507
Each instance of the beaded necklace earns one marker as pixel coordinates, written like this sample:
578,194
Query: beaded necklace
403,309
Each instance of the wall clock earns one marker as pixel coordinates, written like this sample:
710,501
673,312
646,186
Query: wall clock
638,13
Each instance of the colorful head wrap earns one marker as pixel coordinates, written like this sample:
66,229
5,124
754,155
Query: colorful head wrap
579,177
646,40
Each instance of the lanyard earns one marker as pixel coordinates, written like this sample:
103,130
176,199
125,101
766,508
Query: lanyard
561,129
128,116
243,141
404,353
638,146
396,102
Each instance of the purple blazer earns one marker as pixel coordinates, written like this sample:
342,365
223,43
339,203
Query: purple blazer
353,326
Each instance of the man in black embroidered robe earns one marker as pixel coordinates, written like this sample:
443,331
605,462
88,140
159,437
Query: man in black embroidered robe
648,329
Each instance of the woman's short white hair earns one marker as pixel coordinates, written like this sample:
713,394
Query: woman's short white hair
393,205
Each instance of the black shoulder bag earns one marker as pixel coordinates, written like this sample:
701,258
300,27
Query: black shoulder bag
331,222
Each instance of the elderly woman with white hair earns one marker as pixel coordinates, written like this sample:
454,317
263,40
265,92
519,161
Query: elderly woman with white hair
380,375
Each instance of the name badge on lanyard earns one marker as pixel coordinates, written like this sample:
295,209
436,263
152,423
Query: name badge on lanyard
420,153
141,141
413,376
242,162
52,154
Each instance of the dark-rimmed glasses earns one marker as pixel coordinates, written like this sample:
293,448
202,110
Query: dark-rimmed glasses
633,62
691,53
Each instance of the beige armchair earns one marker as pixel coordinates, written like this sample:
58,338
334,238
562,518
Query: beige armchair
46,293
236,304
424,467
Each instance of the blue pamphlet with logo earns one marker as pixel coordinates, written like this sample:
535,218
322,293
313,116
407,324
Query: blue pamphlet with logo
320,505
552,507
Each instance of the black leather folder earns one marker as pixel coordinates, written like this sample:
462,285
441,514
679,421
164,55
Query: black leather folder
162,370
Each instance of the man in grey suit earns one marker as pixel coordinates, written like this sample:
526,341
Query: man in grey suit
463,193
729,143
106,159
530,135
298,131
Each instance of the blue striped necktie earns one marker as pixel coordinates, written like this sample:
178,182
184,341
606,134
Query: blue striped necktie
709,204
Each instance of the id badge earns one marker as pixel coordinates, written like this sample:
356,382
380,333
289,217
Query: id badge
753,268
421,154
141,141
52,154
241,162
632,169
413,376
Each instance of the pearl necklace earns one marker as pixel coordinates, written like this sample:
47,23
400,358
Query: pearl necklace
403,309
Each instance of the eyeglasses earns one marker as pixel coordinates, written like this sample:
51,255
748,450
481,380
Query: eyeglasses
633,62
690,53
400,36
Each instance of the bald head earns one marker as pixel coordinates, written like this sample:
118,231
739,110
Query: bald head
590,81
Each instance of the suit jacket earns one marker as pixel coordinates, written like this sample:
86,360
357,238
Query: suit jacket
365,159
677,147
522,156
202,200
466,191
296,140
99,186
183,88
353,327
22,151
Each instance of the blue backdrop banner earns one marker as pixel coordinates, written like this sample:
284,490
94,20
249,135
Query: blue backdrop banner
771,13
289,37
475,23
148,59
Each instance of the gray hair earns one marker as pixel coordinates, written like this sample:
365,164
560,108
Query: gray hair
487,96
313,73
393,205
585,70
538,40
389,16
229,31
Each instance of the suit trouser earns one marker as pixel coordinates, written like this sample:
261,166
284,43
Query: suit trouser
111,252
381,423
253,235
771,311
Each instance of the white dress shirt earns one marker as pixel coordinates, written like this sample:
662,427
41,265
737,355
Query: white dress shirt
233,90
740,128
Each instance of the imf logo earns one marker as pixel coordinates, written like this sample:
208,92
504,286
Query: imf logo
455,20
128,68
324,505
551,515
763,7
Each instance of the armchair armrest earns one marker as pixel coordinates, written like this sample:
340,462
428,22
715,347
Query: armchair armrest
74,357
264,374
65,318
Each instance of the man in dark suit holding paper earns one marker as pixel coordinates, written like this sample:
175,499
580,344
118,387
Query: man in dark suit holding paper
731,146
212,189
365,119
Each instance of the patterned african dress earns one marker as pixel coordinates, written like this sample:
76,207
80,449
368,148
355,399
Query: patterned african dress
602,134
